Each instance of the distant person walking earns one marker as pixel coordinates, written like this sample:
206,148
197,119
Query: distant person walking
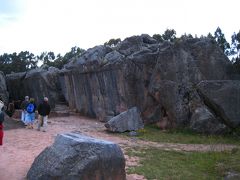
30,113
23,108
1,122
43,111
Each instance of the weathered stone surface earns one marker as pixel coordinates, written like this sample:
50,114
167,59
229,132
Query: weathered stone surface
15,85
173,99
126,121
94,56
158,78
232,176
3,88
75,156
203,121
114,57
133,133
36,83
223,97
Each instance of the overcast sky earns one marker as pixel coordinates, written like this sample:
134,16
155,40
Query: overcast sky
58,25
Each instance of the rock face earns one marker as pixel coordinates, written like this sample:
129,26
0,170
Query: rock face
224,99
36,83
126,121
74,156
158,78
3,89
203,121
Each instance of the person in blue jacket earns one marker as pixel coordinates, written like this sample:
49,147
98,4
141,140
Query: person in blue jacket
30,113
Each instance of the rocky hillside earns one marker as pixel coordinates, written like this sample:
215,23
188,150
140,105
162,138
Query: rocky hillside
181,84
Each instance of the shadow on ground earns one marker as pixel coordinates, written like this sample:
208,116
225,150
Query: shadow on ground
10,123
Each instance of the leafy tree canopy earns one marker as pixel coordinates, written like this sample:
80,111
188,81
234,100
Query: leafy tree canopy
169,35
112,42
24,61
221,41
235,45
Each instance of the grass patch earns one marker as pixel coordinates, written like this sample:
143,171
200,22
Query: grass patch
153,133
159,164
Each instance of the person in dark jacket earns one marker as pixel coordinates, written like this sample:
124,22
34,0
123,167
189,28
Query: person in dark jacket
1,121
43,111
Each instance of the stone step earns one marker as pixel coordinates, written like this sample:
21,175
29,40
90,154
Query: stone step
60,107
59,114
62,103
61,110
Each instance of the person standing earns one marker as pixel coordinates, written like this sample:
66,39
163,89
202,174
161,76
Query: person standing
43,111
23,108
30,113
1,122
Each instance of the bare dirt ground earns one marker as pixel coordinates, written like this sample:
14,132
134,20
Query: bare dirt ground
21,145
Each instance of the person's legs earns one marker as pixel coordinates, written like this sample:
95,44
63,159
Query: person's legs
45,119
27,120
40,122
23,117
32,119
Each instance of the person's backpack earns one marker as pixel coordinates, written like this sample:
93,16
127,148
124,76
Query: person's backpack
30,108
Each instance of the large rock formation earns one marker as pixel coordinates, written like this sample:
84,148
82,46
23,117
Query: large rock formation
3,88
74,156
36,83
159,78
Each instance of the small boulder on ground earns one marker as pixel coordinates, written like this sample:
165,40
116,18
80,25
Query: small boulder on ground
232,176
75,156
129,120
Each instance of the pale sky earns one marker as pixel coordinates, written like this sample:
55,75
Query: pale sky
58,25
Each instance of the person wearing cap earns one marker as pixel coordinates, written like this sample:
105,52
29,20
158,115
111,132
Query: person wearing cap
43,111
23,107
1,122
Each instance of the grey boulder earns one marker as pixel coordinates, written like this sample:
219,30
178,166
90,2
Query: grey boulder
74,156
129,120
203,121
223,98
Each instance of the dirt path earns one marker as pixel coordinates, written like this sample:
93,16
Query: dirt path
21,145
